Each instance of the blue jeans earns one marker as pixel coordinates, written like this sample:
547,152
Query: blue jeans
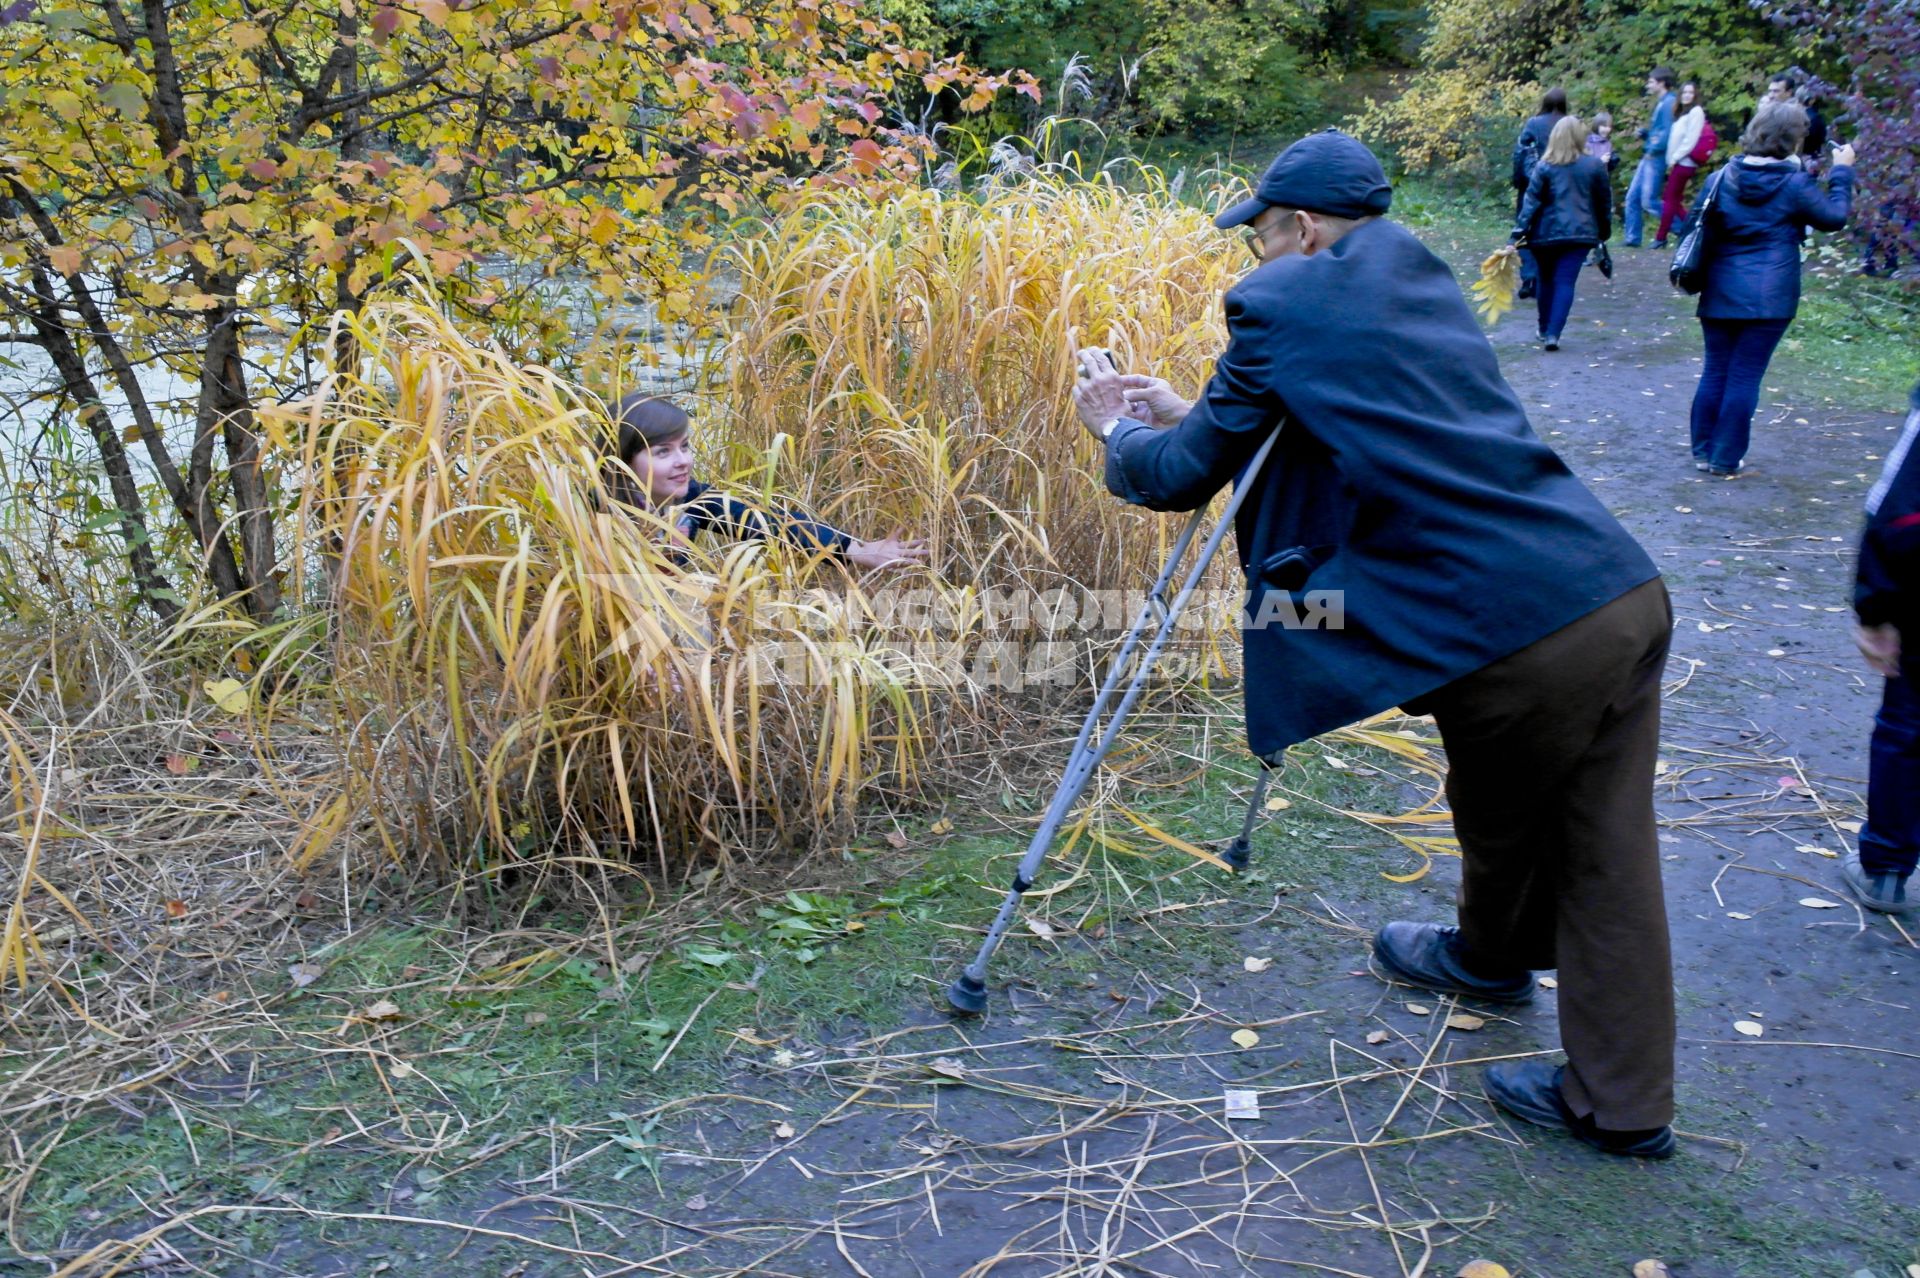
1643,195
1729,390
1559,271
1890,843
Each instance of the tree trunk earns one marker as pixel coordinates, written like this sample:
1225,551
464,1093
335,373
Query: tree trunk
154,588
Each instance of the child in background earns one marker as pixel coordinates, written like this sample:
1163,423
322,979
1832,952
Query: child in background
1600,141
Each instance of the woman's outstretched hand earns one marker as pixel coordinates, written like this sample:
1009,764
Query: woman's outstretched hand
1156,396
887,552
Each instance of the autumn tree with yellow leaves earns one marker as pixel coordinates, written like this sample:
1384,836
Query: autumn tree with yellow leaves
189,185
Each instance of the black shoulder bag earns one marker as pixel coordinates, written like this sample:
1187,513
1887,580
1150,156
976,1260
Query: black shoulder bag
1688,272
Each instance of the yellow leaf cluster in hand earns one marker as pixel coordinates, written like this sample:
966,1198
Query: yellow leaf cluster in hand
1499,283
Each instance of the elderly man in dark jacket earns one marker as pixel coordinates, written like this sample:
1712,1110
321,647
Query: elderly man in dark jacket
1482,583
1886,598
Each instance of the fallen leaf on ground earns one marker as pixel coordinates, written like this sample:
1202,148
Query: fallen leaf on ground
1245,1038
383,1010
176,909
783,1131
1736,914
1040,928
1548,983
1419,1009
1278,804
1483,1269
950,1067
1652,1269
1816,849
1776,652
1819,903
1378,1037
1255,964
400,1069
181,764
1853,827
942,826
1752,1029
896,840
1462,1021
229,694
697,1203
305,974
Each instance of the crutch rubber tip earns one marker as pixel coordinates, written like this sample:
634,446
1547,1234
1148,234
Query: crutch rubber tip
967,994
1238,853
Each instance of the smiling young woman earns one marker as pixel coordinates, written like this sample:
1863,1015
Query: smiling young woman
652,469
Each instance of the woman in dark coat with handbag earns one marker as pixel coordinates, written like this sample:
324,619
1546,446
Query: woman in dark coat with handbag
1762,206
1568,208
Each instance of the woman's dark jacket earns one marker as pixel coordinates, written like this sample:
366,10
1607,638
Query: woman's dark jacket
1761,212
1886,589
1568,204
1406,479
705,509
1530,146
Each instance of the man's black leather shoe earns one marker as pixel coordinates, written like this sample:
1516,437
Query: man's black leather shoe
1531,1090
1428,955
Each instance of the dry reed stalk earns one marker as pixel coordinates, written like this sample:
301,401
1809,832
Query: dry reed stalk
521,669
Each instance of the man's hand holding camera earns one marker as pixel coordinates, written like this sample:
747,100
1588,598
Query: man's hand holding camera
1103,395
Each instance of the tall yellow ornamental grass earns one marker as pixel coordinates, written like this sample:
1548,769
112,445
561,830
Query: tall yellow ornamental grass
516,659
918,355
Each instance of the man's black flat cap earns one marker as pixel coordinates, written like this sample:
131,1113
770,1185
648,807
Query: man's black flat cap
1330,173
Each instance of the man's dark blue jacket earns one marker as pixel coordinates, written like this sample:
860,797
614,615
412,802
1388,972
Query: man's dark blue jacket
1886,587
1406,477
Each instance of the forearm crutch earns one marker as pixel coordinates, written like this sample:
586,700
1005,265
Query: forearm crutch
968,993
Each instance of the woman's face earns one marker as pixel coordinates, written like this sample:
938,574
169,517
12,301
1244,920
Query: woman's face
1687,94
665,469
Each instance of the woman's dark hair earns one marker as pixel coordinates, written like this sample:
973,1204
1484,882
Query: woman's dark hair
1776,130
1553,102
646,420
642,420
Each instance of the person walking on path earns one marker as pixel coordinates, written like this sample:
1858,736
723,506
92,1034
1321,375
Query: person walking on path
1406,477
1650,174
1567,210
1762,207
1886,600
1527,150
1690,145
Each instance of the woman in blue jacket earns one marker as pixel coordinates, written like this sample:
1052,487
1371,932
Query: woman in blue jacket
1568,208
652,469
1763,204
